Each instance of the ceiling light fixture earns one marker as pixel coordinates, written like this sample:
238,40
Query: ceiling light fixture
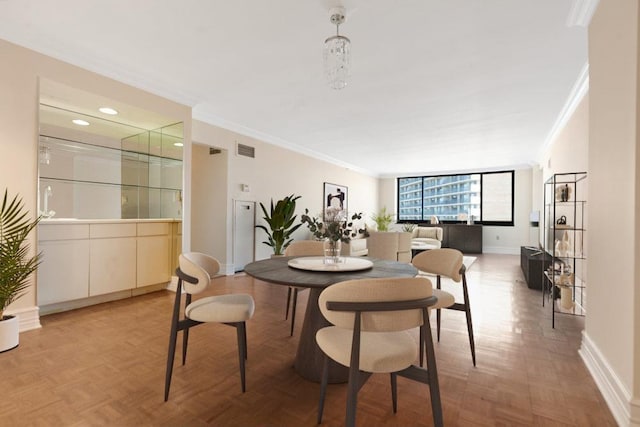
80,122
108,110
337,52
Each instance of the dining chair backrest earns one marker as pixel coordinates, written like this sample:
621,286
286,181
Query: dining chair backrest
442,262
305,248
200,266
379,291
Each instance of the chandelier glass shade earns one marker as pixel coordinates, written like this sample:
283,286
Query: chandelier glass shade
337,55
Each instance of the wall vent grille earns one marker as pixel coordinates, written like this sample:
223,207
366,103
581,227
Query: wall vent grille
245,150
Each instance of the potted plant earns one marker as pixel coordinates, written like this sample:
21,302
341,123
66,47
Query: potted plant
16,266
280,219
383,219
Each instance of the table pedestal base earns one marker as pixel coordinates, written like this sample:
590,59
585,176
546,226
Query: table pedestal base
309,357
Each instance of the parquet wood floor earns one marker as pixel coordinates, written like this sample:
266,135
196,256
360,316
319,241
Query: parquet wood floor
105,365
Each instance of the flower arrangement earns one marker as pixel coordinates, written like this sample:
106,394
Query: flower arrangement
335,226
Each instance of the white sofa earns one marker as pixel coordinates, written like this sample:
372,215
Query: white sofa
429,236
390,245
356,247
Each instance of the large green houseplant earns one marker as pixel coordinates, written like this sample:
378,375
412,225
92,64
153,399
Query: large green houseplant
16,264
280,219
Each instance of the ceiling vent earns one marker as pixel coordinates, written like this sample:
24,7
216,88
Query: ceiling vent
245,150
213,151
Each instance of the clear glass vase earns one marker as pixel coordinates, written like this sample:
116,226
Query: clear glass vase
332,251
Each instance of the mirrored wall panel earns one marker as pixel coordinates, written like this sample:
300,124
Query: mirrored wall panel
107,170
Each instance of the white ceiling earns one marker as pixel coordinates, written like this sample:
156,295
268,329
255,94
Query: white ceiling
436,85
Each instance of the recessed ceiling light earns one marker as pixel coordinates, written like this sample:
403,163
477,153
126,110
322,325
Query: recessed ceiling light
107,110
178,144
80,122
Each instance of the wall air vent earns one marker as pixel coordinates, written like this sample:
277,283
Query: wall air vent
245,150
213,151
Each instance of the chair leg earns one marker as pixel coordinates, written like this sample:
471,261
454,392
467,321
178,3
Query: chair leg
434,387
185,333
173,337
352,397
467,311
244,339
323,386
185,340
286,314
421,347
293,311
242,350
394,391
438,311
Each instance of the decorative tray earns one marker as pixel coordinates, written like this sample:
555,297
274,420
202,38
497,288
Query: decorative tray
316,263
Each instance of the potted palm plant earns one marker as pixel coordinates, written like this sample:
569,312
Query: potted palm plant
383,219
280,219
16,265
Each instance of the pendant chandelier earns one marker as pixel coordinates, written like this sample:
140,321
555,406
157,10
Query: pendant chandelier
337,53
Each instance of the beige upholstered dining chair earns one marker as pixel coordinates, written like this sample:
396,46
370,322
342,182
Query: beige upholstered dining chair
448,263
371,319
300,248
194,276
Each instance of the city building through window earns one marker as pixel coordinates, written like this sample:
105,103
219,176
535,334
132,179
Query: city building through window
485,198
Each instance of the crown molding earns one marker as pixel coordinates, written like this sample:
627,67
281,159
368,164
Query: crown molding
581,13
105,68
200,113
578,91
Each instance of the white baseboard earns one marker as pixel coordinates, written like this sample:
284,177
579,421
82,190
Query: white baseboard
227,269
505,250
29,318
173,284
625,410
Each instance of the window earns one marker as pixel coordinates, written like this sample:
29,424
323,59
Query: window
487,198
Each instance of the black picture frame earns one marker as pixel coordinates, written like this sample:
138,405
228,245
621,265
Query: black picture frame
334,195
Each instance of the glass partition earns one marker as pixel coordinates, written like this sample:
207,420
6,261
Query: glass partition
115,171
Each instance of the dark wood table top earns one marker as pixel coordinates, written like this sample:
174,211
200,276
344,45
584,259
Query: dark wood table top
276,270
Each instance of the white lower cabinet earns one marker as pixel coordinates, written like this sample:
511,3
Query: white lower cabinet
154,251
92,259
113,265
63,274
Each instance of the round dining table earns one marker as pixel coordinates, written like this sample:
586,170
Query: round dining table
309,357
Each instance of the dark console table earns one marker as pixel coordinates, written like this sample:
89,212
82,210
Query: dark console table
463,237
531,262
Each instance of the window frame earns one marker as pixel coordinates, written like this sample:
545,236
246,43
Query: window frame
480,220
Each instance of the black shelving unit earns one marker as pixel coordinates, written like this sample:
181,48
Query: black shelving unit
565,286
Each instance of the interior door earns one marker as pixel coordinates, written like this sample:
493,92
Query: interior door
244,221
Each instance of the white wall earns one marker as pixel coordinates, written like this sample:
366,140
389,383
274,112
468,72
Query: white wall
275,172
209,176
611,343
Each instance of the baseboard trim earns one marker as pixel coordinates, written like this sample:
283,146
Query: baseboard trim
28,318
59,307
616,395
173,284
228,269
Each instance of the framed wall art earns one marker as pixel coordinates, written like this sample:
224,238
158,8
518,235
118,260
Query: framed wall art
335,196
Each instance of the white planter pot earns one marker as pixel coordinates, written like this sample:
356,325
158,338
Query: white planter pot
9,333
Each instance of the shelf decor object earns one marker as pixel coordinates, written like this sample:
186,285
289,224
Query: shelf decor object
565,286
